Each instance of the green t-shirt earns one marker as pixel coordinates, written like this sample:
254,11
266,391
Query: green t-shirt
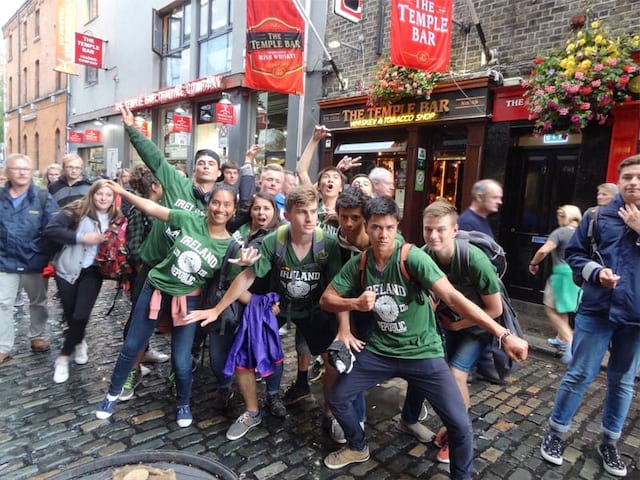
482,278
177,194
299,283
192,259
404,327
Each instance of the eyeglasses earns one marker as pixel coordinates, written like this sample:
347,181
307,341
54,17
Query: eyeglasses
70,167
19,169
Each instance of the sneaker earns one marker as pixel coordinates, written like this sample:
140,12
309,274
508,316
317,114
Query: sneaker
556,342
346,456
418,430
276,405
566,356
81,356
40,345
283,330
183,416
242,425
144,371
611,461
221,398
154,356
440,440
133,380
333,428
4,357
61,371
295,393
443,454
106,408
552,448
19,302
424,412
316,371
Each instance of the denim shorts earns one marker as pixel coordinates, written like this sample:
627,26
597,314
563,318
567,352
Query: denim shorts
464,349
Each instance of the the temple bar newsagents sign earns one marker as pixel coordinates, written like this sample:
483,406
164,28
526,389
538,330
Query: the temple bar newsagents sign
88,50
440,107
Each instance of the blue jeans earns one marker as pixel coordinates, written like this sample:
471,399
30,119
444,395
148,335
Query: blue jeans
465,349
140,331
591,339
432,380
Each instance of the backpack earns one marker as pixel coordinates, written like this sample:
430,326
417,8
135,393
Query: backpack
47,247
214,290
484,242
112,258
283,238
592,237
509,319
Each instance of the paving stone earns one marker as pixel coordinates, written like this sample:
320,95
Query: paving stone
270,471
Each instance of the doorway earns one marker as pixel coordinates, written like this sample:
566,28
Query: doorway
538,181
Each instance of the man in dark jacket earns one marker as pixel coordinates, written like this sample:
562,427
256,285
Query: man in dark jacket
71,185
608,319
24,212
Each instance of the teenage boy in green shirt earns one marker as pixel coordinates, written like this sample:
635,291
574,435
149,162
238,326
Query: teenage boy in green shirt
299,279
405,342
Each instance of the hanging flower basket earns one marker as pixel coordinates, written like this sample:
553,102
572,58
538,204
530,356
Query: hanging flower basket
569,89
392,83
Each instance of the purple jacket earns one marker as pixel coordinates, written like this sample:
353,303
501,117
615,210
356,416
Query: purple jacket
257,342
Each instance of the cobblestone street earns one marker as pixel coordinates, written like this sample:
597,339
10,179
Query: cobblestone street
46,428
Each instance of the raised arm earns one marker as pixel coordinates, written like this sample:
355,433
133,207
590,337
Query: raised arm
145,205
302,169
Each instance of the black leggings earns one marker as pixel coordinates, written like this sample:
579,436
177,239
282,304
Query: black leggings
78,300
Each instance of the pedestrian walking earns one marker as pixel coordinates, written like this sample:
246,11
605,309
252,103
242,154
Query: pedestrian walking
25,211
608,319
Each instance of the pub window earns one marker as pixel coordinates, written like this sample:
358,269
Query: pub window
176,38
10,48
10,92
215,36
36,149
58,145
90,76
92,9
58,80
25,81
24,145
24,35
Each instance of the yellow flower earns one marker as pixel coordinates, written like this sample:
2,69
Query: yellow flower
584,66
595,24
571,48
600,40
580,34
581,42
589,51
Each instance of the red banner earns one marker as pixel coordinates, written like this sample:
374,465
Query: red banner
275,39
88,50
91,135
421,34
76,137
65,26
225,113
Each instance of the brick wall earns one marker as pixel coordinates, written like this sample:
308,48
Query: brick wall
517,28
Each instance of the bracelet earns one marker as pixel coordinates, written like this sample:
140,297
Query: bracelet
534,264
503,336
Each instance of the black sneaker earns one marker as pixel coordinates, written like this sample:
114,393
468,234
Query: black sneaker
295,393
276,406
552,448
316,371
611,461
222,397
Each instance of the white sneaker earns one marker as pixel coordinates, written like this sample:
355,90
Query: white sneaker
283,330
81,356
154,356
144,371
61,371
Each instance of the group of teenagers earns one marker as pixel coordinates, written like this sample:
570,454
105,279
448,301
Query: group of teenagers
300,264
327,257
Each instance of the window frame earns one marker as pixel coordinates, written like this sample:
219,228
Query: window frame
36,25
91,76
214,33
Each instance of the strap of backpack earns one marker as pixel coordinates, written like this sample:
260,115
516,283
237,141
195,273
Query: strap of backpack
361,266
462,256
592,231
317,246
232,251
282,239
404,254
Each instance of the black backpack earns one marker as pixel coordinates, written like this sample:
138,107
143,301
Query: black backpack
592,237
214,290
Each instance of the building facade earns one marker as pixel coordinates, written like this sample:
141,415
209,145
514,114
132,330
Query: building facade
35,96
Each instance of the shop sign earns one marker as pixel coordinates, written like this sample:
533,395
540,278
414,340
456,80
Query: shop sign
421,34
443,106
141,125
225,113
88,50
275,39
191,89
181,124
65,21
349,9
76,137
509,104
91,135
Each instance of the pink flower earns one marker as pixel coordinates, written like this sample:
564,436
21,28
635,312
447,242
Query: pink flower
585,106
579,75
612,62
549,88
629,68
596,83
573,89
624,79
552,105
598,67
539,93
575,119
563,111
